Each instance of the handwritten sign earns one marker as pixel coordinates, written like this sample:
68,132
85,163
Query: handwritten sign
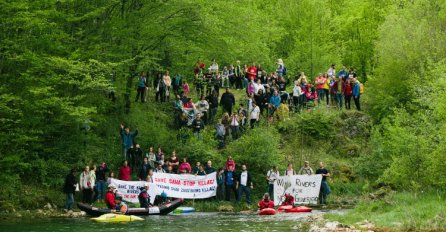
186,186
304,188
129,190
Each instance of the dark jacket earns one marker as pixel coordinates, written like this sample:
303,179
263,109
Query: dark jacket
100,173
70,184
197,125
234,178
227,99
249,180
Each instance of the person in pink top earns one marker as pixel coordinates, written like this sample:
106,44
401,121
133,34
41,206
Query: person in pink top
252,72
184,167
320,80
185,88
230,162
124,171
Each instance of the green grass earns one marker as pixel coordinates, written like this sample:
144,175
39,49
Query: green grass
403,211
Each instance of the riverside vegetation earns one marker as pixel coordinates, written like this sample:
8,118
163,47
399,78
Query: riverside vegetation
57,56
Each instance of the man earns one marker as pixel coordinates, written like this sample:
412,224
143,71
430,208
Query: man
110,197
271,177
238,73
100,181
196,168
227,101
144,197
274,103
338,90
325,189
142,83
244,185
266,202
135,156
127,139
159,169
306,169
144,169
212,99
230,179
121,207
255,114
356,93
343,74
69,188
198,126
209,169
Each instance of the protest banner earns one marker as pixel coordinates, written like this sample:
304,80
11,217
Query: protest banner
304,188
129,190
186,186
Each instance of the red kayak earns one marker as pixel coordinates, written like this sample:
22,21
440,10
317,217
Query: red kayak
300,209
284,207
267,211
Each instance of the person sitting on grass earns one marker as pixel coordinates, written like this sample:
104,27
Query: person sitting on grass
266,202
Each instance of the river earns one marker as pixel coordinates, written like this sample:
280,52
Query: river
174,222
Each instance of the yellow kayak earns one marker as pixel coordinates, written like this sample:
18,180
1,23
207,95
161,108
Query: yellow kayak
110,217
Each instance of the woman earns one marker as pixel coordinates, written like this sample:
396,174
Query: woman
225,77
167,82
185,167
174,162
203,108
348,90
69,188
160,156
86,185
220,185
185,88
124,171
151,157
289,170
93,182
326,87
149,177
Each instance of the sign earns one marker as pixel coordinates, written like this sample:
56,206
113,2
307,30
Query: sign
304,188
186,186
129,190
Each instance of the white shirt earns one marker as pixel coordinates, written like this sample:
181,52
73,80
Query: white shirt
331,72
244,178
258,87
255,113
297,91
272,176
234,121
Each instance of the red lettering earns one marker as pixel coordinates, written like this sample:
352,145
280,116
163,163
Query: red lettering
175,182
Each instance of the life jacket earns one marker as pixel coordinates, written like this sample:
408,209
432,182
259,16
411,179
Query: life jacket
144,198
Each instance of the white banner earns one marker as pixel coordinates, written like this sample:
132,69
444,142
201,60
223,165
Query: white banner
129,190
186,186
304,188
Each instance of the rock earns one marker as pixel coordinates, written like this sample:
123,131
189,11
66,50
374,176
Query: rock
39,211
48,206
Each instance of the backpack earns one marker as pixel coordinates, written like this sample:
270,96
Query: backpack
361,88
284,70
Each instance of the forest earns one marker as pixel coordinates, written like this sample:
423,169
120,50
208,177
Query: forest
59,60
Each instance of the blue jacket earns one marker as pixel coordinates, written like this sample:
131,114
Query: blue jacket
127,139
275,101
356,89
343,73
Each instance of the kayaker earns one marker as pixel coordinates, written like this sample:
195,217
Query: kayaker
144,197
289,200
120,207
265,202
110,197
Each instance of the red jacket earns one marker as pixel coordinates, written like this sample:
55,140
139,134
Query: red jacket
347,89
110,200
266,204
289,200
124,173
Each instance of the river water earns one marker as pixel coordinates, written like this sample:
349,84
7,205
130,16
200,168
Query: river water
174,222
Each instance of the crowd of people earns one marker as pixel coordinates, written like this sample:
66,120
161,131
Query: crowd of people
268,94
93,180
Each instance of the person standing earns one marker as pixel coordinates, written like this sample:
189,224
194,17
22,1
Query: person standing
306,169
168,83
174,161
289,170
101,181
184,167
220,184
244,185
356,93
135,155
69,189
271,177
227,101
86,185
234,126
209,169
338,88
145,167
332,70
127,139
348,94
320,80
238,74
141,89
151,157
280,68
230,179
93,183
254,115
198,126
343,73
124,171
325,188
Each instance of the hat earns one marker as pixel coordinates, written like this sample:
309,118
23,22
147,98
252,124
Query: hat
111,186
146,184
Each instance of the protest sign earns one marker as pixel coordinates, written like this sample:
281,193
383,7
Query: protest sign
129,190
186,186
304,188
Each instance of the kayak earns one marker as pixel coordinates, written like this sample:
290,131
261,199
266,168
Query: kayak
110,217
300,209
184,210
155,210
267,211
284,207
